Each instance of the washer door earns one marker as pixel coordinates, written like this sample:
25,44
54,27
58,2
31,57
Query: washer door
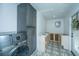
21,51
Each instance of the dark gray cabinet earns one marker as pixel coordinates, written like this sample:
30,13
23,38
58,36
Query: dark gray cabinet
31,40
21,17
31,16
27,22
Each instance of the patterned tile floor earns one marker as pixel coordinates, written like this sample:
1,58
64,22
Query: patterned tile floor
53,49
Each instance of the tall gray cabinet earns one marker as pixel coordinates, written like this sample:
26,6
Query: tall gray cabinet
26,22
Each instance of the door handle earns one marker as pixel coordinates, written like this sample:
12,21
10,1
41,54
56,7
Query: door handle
72,35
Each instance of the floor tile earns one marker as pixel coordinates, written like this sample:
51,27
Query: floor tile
53,49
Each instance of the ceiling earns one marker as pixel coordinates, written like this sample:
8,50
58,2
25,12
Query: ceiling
54,10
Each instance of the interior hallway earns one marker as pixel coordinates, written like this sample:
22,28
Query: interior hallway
53,49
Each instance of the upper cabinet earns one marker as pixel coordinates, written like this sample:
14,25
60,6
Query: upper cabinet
30,16
26,17
21,17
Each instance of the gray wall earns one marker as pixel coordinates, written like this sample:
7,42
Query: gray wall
8,17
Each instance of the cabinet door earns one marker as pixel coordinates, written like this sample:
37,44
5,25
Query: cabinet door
21,17
31,39
52,37
65,42
56,37
34,17
31,16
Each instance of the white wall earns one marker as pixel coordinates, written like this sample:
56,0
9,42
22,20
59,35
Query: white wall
40,28
8,17
66,26
51,28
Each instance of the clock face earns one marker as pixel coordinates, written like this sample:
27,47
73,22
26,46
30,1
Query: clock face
57,23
